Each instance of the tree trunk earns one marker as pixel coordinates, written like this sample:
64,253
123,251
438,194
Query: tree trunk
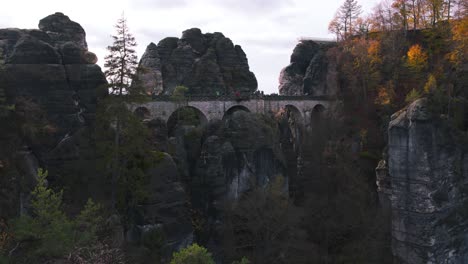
115,169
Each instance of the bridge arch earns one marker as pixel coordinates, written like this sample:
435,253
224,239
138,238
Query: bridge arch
293,112
318,110
317,116
234,109
185,115
142,113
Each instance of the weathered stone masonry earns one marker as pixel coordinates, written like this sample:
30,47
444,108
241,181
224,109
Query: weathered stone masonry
213,108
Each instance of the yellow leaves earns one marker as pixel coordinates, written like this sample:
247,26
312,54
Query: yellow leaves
416,57
373,50
460,30
460,38
431,84
366,54
412,96
383,97
385,94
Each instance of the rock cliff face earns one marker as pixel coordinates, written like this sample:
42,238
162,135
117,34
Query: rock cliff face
310,72
220,161
167,207
425,185
50,74
205,63
54,67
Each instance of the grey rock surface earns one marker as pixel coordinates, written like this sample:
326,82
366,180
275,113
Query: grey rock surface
311,71
150,75
168,204
206,63
61,29
221,161
51,70
426,187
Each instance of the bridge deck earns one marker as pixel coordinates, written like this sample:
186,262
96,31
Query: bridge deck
212,107
246,98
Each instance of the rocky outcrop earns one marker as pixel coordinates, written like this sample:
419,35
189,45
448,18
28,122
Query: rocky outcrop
425,185
167,206
206,63
151,76
311,71
62,30
51,77
221,161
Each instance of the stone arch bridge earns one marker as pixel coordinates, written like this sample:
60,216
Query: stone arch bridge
218,107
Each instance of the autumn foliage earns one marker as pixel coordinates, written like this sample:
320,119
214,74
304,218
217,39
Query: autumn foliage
460,41
417,57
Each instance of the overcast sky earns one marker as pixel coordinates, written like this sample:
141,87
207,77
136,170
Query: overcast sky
267,30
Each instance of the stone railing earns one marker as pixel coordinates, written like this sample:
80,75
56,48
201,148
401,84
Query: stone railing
271,97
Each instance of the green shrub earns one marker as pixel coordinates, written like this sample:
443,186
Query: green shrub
153,240
158,156
412,96
193,254
244,260
3,260
87,223
48,231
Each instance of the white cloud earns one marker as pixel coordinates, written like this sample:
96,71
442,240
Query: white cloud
267,30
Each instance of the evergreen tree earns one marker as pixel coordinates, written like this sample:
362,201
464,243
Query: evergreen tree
122,139
48,227
47,231
121,63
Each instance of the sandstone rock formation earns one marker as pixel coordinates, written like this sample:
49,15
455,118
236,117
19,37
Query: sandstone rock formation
167,207
425,185
221,161
49,74
52,70
206,63
62,30
311,71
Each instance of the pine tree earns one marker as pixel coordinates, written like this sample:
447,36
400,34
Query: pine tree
121,63
47,231
122,138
